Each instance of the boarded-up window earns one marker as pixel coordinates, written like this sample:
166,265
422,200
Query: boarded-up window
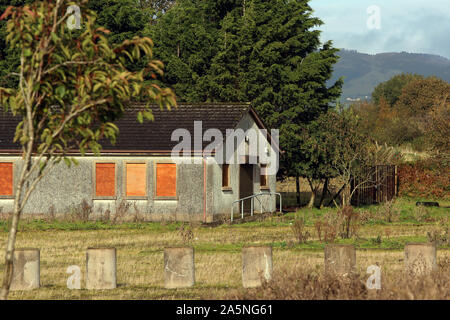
136,179
166,180
263,176
6,179
225,176
105,179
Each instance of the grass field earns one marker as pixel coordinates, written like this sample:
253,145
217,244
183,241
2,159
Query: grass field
217,250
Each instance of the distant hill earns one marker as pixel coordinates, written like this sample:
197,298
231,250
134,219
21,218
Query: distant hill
363,72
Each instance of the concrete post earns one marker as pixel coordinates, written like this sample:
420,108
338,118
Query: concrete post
179,269
26,274
101,268
420,258
340,259
256,265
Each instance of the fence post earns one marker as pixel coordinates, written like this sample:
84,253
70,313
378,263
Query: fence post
420,258
101,268
26,271
340,259
179,269
256,265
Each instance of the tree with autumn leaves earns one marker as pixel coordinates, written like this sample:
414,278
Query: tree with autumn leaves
72,86
409,110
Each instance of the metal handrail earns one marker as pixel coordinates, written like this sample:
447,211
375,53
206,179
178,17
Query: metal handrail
252,197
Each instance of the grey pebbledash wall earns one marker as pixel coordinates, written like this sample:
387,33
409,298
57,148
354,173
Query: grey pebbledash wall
65,187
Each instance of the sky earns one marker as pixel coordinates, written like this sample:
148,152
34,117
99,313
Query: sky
374,26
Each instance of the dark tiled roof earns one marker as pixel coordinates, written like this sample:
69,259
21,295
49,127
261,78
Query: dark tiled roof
152,136
8,125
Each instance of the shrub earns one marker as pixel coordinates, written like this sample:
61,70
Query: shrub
299,230
428,178
440,234
388,211
345,223
186,232
421,214
328,227
138,216
81,212
121,211
350,223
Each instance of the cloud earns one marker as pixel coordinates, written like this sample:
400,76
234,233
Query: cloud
412,26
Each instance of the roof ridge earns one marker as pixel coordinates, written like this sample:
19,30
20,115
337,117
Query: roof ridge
154,135
138,103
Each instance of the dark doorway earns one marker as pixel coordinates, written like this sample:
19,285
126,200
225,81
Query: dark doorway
246,184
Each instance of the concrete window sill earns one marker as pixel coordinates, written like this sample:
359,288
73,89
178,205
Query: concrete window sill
227,189
104,198
166,199
131,198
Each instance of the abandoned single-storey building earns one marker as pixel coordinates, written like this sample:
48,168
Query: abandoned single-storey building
198,183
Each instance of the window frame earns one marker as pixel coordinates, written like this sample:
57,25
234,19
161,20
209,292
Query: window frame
5,197
266,185
94,180
228,186
155,171
125,196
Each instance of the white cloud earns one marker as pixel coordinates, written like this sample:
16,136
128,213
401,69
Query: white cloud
413,26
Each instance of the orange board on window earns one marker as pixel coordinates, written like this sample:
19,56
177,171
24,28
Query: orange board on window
6,179
136,180
166,180
105,183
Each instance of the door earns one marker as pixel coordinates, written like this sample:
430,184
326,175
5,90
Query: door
246,184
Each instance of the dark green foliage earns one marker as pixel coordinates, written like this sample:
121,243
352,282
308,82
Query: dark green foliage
391,90
122,17
319,147
185,43
9,57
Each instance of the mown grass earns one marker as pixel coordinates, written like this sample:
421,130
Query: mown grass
218,262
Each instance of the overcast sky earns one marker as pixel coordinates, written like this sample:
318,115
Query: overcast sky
419,26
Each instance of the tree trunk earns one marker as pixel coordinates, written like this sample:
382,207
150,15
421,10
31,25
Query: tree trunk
337,194
312,199
324,192
9,256
313,194
346,196
297,188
